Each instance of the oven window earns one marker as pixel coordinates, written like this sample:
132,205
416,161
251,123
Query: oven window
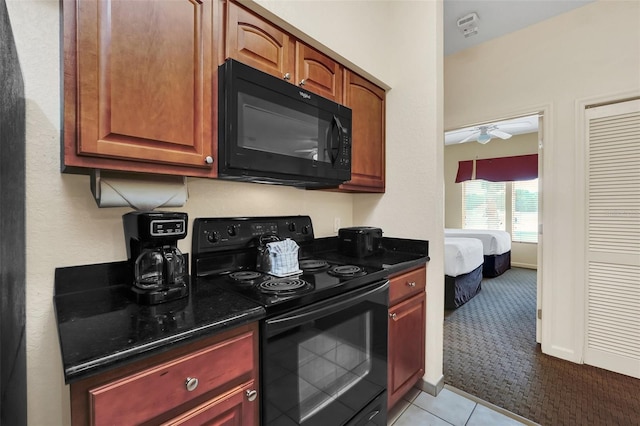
326,370
331,363
269,127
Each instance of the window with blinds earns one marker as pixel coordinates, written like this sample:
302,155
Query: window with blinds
483,205
524,207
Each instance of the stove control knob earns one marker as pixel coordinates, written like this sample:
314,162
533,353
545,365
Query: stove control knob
292,227
306,229
232,230
213,237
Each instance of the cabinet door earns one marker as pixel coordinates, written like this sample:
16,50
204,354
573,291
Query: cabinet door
255,42
231,409
406,346
367,102
144,81
318,73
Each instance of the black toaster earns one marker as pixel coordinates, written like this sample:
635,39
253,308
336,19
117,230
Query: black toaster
360,241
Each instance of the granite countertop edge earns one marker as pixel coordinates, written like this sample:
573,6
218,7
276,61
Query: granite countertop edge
82,370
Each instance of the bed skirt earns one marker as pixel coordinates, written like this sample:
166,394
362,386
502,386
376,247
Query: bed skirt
459,290
496,264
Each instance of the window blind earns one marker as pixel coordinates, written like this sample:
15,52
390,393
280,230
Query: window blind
483,205
524,205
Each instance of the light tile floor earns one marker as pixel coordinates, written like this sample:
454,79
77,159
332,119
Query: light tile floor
450,407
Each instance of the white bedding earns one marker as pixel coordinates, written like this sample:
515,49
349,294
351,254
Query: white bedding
493,242
462,255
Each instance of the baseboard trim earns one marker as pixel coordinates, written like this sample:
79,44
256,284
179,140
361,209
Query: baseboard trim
523,265
430,388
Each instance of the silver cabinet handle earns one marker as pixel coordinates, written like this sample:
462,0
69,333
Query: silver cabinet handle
252,394
287,76
191,383
411,284
208,159
373,414
302,82
393,316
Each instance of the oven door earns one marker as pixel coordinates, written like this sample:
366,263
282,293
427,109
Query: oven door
326,363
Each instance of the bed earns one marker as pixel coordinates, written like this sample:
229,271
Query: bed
496,248
463,260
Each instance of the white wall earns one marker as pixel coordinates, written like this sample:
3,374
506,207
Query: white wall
64,226
590,53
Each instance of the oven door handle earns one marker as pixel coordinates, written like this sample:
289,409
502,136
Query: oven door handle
320,310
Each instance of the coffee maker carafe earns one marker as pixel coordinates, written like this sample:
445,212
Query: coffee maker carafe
159,270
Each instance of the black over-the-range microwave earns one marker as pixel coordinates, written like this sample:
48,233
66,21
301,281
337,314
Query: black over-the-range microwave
271,131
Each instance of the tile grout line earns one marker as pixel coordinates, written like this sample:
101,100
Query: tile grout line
471,415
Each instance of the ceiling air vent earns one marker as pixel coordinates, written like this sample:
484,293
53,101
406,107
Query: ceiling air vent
468,24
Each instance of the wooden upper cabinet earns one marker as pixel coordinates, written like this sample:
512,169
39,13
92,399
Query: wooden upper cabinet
318,73
255,42
367,102
139,85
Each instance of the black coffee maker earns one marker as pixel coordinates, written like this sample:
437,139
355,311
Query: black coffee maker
159,269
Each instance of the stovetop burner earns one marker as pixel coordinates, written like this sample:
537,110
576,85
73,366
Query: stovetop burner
347,271
313,265
245,275
284,285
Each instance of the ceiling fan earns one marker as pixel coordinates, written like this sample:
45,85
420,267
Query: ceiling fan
484,134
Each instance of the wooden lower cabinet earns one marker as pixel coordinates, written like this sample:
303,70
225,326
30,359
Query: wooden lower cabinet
213,381
230,409
407,323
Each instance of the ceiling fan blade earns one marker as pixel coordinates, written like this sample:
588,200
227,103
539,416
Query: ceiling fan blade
520,125
499,133
471,136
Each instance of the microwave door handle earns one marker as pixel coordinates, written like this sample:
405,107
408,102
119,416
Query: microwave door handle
336,145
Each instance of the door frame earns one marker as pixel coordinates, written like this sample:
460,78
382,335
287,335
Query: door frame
545,117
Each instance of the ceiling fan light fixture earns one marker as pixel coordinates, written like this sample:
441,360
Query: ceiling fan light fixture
483,138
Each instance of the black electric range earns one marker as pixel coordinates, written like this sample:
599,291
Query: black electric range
323,343
225,250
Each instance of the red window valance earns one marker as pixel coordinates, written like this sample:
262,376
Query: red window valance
503,169
465,171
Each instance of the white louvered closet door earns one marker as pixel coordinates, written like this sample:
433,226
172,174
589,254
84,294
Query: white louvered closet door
613,238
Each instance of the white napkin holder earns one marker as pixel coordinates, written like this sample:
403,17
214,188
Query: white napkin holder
283,258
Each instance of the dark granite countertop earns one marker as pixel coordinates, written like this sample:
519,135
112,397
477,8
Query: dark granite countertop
397,254
101,327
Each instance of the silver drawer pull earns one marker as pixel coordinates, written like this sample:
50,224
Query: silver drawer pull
208,159
287,76
393,316
411,284
191,383
252,394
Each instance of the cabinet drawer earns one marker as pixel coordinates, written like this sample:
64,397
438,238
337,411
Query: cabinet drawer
406,284
149,393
